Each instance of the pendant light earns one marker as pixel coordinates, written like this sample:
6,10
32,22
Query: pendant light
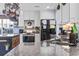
63,4
58,6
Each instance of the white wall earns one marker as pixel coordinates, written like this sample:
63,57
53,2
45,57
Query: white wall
21,18
74,11
65,13
47,14
1,8
32,15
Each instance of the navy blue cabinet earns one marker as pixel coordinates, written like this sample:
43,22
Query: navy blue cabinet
2,49
10,41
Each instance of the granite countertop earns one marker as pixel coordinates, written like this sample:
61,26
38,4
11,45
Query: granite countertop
9,35
3,40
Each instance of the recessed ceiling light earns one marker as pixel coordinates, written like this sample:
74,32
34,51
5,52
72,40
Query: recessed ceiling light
37,6
47,7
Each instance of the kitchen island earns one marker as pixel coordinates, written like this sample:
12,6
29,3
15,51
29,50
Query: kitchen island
8,42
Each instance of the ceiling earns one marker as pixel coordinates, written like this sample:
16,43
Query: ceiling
38,6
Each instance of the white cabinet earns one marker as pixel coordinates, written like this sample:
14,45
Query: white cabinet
74,9
1,8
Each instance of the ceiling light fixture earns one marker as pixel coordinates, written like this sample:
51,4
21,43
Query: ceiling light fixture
36,6
47,7
58,7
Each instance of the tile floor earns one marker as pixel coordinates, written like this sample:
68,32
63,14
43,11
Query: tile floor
74,51
33,50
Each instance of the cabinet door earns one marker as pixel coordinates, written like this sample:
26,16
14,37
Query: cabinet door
15,41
